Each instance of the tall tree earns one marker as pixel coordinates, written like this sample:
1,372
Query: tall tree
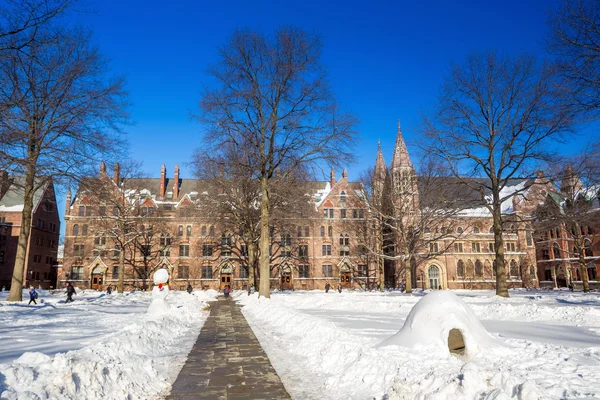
272,102
64,114
575,42
493,119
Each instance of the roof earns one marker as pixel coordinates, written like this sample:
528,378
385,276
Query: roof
13,199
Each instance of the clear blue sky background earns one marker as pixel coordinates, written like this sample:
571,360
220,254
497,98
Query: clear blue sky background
386,59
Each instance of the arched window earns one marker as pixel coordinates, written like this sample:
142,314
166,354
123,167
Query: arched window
299,231
588,248
459,229
476,230
306,231
75,230
487,267
591,271
478,269
556,249
322,231
512,227
211,231
344,240
180,230
204,231
469,271
492,229
460,269
188,230
84,230
528,236
557,233
343,196
514,269
330,231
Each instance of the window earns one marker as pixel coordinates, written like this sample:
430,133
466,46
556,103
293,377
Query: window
330,231
588,248
354,213
363,270
322,231
180,230
459,229
492,247
514,269
81,211
478,269
545,253
203,231
116,211
328,213
343,196
207,250
207,272
306,231
52,227
532,272
528,236
88,211
184,250
344,245
433,247
458,247
188,230
144,210
75,230
299,231
303,271
76,273
460,268
286,239
211,231
327,270
100,240
326,248
78,250
165,239
476,247
343,213
84,230
591,271
115,271
244,250
243,271
303,251
116,250
183,272
225,245
511,247
361,213
556,250
475,230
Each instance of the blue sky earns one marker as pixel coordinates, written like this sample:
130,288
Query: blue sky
386,60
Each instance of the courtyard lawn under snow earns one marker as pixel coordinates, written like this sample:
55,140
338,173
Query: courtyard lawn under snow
324,346
100,346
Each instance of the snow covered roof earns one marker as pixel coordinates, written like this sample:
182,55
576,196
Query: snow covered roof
12,199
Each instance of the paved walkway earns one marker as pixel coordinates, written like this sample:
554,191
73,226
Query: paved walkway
227,362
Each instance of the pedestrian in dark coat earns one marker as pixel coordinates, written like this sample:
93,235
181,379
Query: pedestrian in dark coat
327,287
189,288
32,295
70,292
109,290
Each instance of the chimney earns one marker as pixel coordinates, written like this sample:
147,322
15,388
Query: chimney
68,202
102,169
163,181
117,174
345,173
176,185
332,177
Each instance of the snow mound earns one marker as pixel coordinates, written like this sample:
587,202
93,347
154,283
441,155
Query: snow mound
441,320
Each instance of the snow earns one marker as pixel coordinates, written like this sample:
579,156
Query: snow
100,346
16,208
430,321
328,344
508,193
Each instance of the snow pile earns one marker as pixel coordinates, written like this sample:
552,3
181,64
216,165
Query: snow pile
140,361
434,316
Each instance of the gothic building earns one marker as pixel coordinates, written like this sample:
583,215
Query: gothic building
346,240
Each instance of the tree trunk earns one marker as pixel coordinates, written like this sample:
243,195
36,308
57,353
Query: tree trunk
408,276
265,240
251,262
121,283
501,287
380,264
553,273
18,277
584,274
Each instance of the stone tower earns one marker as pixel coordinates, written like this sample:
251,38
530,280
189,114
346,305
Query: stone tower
379,174
404,179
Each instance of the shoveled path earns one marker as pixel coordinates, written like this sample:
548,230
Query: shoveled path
227,362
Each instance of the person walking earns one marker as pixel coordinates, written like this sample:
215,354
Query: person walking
340,288
327,287
249,289
226,291
189,288
109,290
32,295
70,292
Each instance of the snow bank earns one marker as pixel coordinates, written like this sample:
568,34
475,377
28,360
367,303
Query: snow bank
430,321
138,362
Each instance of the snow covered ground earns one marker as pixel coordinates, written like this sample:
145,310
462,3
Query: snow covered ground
100,346
324,346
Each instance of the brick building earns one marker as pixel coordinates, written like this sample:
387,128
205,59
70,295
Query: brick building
43,238
320,248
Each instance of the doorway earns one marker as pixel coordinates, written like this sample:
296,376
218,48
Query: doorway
286,281
225,281
434,277
97,279
345,279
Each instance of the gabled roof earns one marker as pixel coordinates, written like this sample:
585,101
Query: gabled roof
13,199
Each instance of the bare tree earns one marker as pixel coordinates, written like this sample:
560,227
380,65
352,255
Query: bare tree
273,104
65,114
575,42
575,209
492,119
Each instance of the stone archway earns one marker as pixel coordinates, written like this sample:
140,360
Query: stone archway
97,274
226,276
435,278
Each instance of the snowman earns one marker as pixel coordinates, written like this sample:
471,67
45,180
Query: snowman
160,291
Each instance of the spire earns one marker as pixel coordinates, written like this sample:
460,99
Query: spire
345,173
571,184
400,158
332,177
102,168
68,202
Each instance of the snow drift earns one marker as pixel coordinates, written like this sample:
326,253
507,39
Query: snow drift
442,320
